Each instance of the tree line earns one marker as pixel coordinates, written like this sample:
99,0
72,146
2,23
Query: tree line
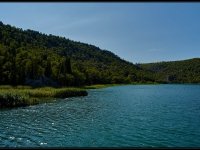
27,56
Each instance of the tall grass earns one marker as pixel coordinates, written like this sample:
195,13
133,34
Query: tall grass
56,93
23,96
8,99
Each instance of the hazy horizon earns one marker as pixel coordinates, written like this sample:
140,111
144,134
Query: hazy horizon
136,32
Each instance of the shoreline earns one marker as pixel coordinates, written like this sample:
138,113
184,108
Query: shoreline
99,86
20,96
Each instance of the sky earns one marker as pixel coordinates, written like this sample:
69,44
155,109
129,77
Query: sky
136,32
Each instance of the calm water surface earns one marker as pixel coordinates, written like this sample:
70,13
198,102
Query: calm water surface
121,116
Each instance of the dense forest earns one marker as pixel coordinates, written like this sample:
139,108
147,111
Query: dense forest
185,71
29,57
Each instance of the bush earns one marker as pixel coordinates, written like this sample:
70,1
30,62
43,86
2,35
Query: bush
13,99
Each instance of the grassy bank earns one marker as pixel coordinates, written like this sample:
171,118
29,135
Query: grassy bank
98,86
24,95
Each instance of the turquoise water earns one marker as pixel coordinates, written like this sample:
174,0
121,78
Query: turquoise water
120,116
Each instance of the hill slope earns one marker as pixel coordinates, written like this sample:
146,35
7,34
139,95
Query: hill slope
185,71
28,57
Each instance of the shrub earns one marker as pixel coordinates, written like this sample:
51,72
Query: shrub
13,99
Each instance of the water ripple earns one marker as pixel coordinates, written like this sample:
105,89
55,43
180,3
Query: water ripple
124,116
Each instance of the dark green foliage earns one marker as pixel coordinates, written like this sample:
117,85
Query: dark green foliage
48,68
29,56
13,100
185,71
72,93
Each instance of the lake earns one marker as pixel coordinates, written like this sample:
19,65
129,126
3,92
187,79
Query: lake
119,116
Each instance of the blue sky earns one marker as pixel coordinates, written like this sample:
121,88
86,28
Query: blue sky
137,32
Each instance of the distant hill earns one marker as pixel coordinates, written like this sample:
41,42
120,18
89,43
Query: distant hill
185,71
31,57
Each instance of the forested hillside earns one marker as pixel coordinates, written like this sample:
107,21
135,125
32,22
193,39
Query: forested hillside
185,71
34,58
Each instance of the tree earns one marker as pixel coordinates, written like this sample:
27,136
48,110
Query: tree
48,68
68,65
